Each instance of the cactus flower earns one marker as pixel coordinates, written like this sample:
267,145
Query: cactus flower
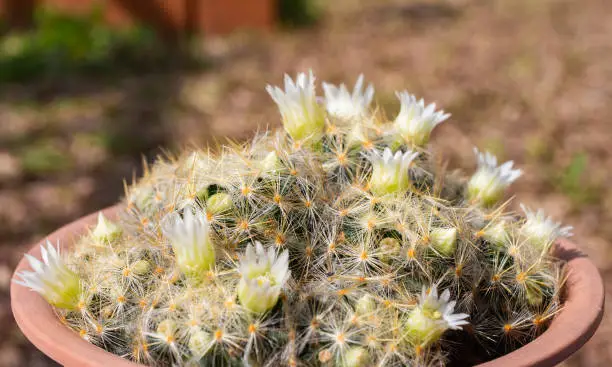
488,184
303,118
263,275
389,171
416,121
432,317
541,230
52,278
190,240
340,103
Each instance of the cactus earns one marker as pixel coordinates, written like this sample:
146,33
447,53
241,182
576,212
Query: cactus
336,242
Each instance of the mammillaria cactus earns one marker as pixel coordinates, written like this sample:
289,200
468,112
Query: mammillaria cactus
337,242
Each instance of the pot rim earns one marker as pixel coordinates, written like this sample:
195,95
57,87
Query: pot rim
570,329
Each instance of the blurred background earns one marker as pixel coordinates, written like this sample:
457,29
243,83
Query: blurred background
90,89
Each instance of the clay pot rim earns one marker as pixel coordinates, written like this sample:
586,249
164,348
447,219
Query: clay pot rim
571,328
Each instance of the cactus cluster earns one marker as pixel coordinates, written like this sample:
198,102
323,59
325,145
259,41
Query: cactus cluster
338,241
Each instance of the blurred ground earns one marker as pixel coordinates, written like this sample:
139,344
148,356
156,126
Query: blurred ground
525,79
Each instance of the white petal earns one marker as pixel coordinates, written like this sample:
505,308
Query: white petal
36,265
445,295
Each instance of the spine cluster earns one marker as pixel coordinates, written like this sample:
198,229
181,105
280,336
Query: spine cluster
336,242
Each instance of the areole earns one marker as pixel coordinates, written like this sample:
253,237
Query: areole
571,328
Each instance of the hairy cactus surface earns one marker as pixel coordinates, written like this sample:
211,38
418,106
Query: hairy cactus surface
339,241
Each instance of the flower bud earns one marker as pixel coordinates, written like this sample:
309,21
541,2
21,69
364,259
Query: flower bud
415,121
199,342
52,279
542,231
263,276
303,118
389,247
141,267
496,235
270,163
365,305
106,230
190,240
444,240
390,172
488,184
219,203
356,357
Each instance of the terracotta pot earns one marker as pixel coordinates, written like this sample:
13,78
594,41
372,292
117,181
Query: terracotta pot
570,329
39,323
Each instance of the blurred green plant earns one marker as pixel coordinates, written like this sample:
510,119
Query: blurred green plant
298,13
60,43
44,157
574,181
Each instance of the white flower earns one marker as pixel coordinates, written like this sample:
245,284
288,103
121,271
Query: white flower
105,230
302,117
433,316
389,171
190,240
263,276
541,230
415,121
488,184
59,285
340,103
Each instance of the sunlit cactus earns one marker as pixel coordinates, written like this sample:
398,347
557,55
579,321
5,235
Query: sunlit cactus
337,241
